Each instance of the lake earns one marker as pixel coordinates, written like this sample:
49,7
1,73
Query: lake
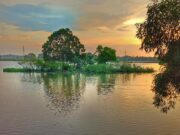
51,104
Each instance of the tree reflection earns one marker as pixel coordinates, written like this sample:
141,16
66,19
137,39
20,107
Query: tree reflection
126,78
106,84
32,78
63,91
166,89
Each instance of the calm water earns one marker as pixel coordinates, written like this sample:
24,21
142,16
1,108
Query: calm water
51,104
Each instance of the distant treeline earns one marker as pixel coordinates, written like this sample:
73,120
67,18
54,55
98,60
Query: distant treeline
138,59
12,57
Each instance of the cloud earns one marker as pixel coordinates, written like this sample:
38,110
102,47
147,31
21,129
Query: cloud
76,14
35,17
108,13
103,29
123,28
133,21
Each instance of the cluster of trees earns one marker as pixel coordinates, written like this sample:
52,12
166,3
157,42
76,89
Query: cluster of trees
63,46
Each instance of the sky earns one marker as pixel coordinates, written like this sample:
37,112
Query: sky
110,23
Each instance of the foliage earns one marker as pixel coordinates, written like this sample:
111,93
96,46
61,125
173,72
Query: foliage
62,45
97,69
46,66
135,69
161,29
89,59
53,66
105,54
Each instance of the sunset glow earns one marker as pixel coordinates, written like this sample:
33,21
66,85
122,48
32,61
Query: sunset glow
29,23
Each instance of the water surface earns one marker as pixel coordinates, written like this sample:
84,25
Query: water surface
51,104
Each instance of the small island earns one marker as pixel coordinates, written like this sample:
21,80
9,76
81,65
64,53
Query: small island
63,52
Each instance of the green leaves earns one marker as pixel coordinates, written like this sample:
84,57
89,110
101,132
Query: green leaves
106,54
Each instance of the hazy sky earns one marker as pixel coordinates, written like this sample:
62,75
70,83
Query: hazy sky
109,22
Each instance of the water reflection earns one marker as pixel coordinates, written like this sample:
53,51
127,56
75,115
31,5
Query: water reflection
32,78
106,84
64,92
166,89
126,78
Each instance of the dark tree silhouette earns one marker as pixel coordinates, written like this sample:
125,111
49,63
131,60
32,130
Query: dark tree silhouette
161,30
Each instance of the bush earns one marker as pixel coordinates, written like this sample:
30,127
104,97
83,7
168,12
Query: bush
124,68
96,69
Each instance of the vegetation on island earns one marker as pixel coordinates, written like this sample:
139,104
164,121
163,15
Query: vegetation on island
104,68
63,52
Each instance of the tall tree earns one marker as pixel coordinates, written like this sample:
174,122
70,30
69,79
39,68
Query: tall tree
161,30
62,45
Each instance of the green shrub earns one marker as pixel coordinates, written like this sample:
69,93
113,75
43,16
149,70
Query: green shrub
99,68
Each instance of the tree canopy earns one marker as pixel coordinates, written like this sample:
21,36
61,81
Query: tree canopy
105,54
62,45
161,30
